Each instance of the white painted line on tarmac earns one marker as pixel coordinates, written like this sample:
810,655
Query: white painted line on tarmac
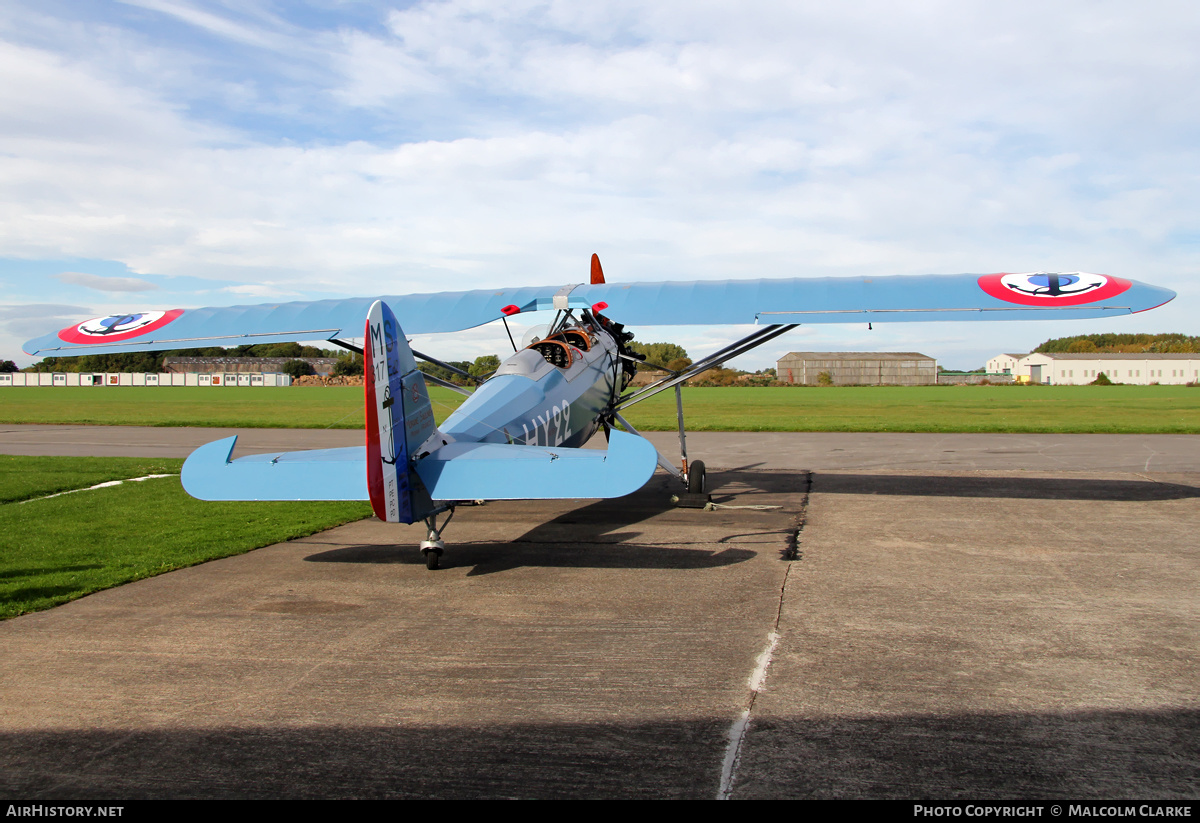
737,732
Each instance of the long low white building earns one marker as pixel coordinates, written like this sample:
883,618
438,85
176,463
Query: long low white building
1081,369
1004,363
140,379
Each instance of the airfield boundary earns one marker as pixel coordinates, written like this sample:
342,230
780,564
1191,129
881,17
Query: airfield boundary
1014,409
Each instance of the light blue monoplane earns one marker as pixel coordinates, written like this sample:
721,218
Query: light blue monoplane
520,433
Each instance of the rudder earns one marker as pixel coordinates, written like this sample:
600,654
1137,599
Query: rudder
399,416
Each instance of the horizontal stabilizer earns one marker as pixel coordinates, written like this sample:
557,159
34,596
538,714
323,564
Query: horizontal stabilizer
498,471
209,473
459,471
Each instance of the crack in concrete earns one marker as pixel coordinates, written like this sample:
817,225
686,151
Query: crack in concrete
792,550
758,677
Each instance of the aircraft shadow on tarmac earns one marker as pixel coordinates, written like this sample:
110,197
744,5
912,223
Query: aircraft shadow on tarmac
1078,755
600,534
1024,488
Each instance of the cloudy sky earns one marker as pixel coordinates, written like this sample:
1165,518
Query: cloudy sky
180,153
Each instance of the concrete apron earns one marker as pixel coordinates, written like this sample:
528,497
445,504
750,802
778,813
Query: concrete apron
565,649
970,636
960,635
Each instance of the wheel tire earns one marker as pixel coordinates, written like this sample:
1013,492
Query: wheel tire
696,484
431,559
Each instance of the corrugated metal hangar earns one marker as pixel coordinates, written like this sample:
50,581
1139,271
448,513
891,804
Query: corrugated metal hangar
857,368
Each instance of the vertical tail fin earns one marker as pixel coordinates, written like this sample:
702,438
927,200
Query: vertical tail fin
399,415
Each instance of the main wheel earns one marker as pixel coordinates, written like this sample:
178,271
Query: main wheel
696,478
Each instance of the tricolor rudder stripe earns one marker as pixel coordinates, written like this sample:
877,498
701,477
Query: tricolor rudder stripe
399,416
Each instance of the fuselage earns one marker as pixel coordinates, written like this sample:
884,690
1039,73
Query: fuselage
551,393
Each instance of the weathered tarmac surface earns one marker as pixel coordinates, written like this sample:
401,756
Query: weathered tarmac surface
992,616
814,451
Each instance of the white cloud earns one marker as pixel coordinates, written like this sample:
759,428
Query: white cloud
21,323
215,24
106,284
465,144
264,291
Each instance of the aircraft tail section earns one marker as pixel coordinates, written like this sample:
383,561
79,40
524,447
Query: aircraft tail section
399,417
458,471
505,471
400,424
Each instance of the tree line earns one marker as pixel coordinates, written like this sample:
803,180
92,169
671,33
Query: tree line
1122,343
658,355
152,361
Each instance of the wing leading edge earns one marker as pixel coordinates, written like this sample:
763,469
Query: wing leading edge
902,298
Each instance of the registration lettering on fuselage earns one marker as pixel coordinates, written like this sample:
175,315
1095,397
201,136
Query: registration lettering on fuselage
550,428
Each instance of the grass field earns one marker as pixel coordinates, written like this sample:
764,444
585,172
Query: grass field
1058,409
339,407
58,549
24,478
1086,409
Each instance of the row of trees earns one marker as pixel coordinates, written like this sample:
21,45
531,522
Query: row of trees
1122,343
481,367
658,355
152,361
675,358
662,355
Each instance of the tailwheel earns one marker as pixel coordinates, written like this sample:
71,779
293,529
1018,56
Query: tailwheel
432,546
432,549
695,478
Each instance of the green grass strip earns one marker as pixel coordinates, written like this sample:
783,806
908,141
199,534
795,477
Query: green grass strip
62,548
25,478
336,407
943,409
1057,409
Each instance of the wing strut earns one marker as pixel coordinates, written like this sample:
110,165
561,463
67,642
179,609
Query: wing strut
428,377
347,345
446,384
446,366
693,476
751,341
663,462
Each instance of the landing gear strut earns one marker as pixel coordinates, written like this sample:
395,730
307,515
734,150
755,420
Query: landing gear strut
433,546
692,474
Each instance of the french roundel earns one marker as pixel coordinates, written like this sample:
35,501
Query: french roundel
1045,288
117,326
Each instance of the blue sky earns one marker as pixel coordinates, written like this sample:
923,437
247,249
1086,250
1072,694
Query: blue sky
172,153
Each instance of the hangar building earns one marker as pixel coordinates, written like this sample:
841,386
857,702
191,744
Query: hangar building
856,368
1078,369
1004,363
